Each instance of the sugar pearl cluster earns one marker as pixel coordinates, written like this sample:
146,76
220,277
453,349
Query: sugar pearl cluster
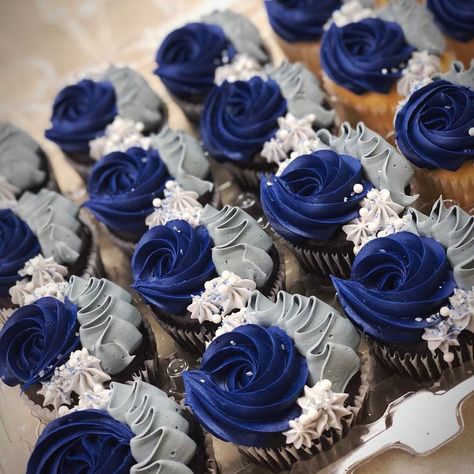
241,68
452,319
418,72
350,12
221,296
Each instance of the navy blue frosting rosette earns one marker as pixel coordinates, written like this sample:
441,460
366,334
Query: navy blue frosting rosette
18,244
396,284
122,186
365,56
80,113
246,389
313,197
432,127
456,17
83,441
239,117
300,20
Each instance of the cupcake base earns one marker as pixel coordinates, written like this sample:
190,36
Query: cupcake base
192,110
283,457
306,52
462,51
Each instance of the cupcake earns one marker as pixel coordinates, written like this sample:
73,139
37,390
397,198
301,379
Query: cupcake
23,165
317,198
249,126
170,170
44,235
283,381
134,428
363,60
456,20
434,129
62,349
411,293
194,272
118,103
189,57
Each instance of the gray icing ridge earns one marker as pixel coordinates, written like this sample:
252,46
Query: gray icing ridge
241,246
383,165
454,229
302,92
54,220
20,158
161,443
417,24
184,158
135,98
457,74
108,321
327,340
241,32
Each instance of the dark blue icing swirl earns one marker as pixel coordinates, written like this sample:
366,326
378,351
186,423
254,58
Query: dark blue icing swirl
36,339
365,56
17,245
83,441
396,282
80,113
432,127
188,57
122,187
248,384
313,197
455,17
300,20
171,263
239,117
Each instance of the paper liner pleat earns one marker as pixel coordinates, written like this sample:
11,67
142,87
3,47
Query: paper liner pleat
94,266
248,179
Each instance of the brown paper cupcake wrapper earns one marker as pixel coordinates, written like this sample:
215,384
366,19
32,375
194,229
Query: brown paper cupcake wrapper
211,463
94,266
283,458
421,367
306,52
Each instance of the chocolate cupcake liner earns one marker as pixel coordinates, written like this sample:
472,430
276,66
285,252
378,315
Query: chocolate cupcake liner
248,177
211,463
306,52
283,457
93,266
421,366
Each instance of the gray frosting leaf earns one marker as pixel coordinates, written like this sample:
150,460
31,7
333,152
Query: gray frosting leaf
20,158
184,158
457,74
108,322
242,33
417,24
135,98
54,220
302,92
241,245
327,340
383,165
161,443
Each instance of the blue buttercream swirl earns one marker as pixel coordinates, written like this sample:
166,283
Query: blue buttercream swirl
17,245
365,56
83,441
80,113
432,127
313,197
455,17
239,117
188,58
36,339
122,186
300,20
171,263
248,384
395,284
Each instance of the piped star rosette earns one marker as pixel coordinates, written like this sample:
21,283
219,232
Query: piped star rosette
116,103
44,234
165,176
334,194
252,122
412,293
193,58
194,272
282,380
66,347
129,428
